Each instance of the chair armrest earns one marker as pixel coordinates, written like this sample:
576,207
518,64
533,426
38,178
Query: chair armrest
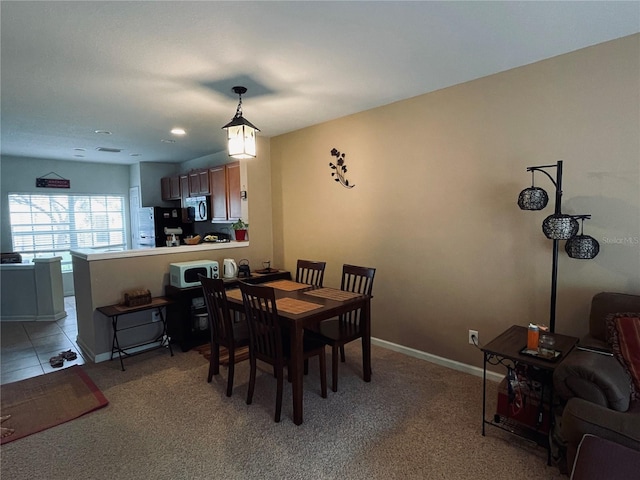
599,379
581,417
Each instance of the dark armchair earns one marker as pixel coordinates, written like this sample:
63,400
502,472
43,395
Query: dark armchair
596,387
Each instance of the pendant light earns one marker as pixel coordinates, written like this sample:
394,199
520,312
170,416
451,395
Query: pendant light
241,133
533,198
582,246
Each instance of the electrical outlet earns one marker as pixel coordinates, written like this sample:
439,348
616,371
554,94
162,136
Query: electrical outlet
155,316
474,339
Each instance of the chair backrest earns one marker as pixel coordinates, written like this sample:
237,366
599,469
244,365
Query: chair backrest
218,310
265,337
310,272
357,280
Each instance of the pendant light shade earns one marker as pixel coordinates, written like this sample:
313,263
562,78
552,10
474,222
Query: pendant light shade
241,133
560,226
582,246
533,198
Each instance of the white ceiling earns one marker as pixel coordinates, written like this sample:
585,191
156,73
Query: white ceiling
138,69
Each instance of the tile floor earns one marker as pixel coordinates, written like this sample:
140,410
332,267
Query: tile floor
26,347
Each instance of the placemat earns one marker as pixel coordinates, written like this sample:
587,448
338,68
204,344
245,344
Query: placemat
291,305
333,294
286,285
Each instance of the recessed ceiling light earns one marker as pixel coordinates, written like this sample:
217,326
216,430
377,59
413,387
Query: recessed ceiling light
178,131
80,149
167,140
80,156
103,132
135,154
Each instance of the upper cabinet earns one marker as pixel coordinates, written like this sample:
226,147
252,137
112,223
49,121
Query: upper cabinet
199,183
224,187
221,183
171,188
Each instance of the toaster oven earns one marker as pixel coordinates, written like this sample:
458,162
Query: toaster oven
185,274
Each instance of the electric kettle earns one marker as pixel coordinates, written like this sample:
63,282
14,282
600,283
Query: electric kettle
229,268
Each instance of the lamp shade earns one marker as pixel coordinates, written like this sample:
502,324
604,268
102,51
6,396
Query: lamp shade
583,247
241,137
533,198
560,226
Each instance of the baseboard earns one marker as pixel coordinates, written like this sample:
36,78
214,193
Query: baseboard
34,318
445,362
103,357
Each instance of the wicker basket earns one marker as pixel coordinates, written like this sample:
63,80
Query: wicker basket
133,298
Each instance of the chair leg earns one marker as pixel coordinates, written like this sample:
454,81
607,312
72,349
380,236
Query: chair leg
306,367
252,380
342,357
334,369
323,373
232,365
214,362
280,377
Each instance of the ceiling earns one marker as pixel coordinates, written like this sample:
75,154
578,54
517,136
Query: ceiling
139,69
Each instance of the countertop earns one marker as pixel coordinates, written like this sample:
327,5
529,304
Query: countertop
92,254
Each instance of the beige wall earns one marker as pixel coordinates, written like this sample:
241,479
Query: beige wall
434,205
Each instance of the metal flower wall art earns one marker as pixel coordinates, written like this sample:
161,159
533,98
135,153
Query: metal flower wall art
339,168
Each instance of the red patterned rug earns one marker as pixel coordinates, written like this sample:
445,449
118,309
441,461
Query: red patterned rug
38,403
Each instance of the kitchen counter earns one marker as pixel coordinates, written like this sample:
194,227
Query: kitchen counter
91,254
101,276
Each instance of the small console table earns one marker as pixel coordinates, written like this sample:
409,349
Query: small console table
536,373
114,312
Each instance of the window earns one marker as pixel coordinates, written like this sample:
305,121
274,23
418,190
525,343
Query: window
52,225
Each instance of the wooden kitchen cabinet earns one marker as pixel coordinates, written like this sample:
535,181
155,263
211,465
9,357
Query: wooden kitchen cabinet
184,186
224,188
170,187
199,183
234,202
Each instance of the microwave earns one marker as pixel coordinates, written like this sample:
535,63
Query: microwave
197,208
185,274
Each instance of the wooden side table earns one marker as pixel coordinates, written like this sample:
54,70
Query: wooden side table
506,349
114,312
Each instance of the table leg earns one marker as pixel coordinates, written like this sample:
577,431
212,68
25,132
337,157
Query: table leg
296,371
366,341
115,341
484,390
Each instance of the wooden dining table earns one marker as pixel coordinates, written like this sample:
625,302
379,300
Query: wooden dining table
301,306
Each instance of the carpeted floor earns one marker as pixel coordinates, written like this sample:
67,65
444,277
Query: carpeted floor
415,420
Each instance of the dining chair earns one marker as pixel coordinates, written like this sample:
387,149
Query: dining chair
337,332
224,331
266,342
310,272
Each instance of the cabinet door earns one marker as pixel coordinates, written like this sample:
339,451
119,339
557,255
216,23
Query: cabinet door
174,187
165,187
234,202
170,187
218,192
204,182
184,186
194,184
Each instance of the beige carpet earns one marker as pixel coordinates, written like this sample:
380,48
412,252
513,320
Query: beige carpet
43,402
415,420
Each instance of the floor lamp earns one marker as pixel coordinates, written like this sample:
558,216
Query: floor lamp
556,227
